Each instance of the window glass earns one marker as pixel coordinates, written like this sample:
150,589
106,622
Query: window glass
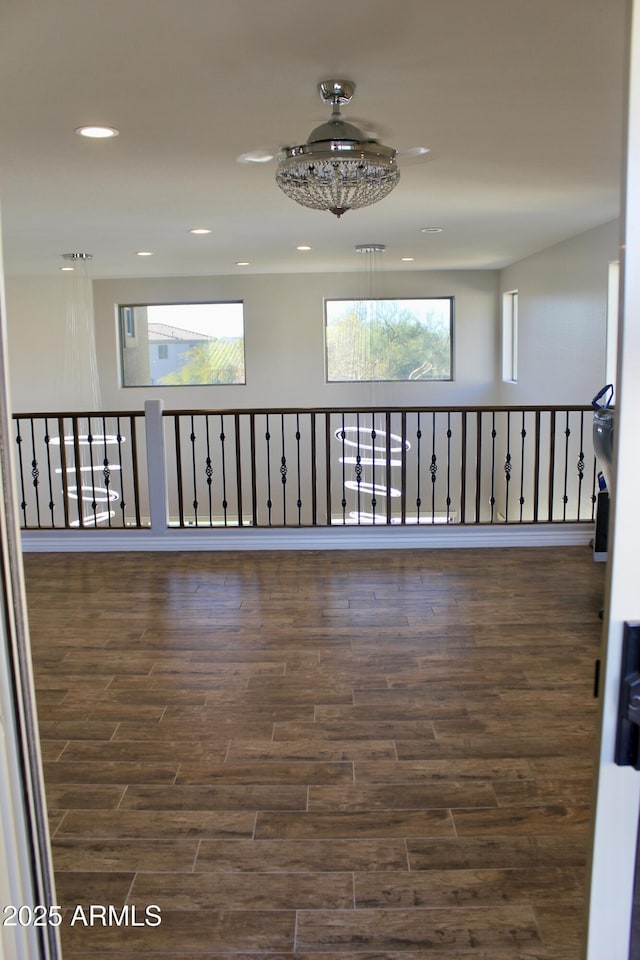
510,336
182,344
403,339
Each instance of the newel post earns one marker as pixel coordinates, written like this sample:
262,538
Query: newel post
156,466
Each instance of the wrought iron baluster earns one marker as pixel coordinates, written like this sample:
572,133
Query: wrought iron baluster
343,436
358,468
77,467
283,471
594,488
387,466
552,461
63,471
374,499
133,433
536,470
449,435
299,470
254,469
192,438
106,471
50,469
565,494
35,472
418,452
236,423
94,499
208,468
523,434
178,446
580,464
267,437
433,467
119,441
494,434
328,460
403,468
23,498
478,505
463,468
508,467
314,472
225,502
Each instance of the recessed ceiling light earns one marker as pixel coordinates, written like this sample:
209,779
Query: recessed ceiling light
144,253
407,259
303,246
67,269
200,230
97,133
431,229
242,263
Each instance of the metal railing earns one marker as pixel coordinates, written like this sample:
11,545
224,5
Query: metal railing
79,470
307,467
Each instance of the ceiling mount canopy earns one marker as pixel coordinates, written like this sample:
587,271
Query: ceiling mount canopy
339,168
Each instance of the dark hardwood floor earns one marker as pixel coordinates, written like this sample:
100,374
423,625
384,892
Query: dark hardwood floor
313,756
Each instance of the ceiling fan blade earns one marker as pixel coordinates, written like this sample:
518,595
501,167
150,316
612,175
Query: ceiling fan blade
263,154
412,156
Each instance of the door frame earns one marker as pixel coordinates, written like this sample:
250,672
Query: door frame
617,789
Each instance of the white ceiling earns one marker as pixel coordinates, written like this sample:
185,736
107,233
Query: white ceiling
519,101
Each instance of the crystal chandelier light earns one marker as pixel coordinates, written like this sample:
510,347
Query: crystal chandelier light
338,168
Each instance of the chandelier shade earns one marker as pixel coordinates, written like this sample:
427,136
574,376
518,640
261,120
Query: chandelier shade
338,168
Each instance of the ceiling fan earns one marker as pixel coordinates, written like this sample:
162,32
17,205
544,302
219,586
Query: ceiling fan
340,167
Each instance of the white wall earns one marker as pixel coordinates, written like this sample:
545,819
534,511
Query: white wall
284,339
562,302
562,292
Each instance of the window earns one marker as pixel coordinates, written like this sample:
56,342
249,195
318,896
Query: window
400,339
182,344
510,336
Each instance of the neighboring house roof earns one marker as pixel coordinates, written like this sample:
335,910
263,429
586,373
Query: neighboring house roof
163,331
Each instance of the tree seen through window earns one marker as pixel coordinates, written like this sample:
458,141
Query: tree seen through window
389,339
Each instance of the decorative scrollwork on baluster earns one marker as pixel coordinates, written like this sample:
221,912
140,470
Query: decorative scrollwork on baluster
106,473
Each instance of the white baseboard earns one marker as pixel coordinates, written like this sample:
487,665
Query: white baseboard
308,538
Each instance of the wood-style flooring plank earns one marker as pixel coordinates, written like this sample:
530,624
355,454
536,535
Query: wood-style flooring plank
382,755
